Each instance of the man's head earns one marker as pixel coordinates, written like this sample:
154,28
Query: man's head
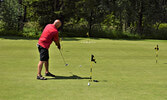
57,23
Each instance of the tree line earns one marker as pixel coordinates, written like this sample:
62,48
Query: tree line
141,17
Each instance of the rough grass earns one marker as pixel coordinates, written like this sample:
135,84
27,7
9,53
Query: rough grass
126,70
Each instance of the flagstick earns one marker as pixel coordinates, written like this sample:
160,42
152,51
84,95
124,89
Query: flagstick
91,65
91,68
156,56
156,48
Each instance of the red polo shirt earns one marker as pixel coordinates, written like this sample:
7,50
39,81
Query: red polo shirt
49,34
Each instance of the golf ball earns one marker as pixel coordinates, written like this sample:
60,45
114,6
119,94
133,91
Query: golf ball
80,65
88,84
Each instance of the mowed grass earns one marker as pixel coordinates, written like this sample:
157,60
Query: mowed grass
125,69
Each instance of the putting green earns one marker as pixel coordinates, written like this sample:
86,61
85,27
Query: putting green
125,69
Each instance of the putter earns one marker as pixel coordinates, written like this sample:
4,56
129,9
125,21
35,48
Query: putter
63,58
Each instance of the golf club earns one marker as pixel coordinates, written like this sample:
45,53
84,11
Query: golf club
63,58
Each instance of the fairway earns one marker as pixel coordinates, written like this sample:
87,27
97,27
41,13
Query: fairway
125,69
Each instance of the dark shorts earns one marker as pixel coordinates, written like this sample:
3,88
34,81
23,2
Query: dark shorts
44,53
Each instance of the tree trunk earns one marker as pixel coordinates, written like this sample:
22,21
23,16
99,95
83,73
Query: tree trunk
140,27
157,26
120,19
21,17
90,24
25,13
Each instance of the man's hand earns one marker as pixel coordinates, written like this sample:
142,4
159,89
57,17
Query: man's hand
58,44
59,47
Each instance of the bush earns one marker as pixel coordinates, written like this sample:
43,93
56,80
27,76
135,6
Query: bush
10,33
32,28
97,32
161,33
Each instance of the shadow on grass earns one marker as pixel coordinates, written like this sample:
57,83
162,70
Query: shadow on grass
73,77
68,77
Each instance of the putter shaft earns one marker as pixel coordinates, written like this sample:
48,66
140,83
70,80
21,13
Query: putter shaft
91,69
63,57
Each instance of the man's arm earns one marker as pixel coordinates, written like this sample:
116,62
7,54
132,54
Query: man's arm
58,44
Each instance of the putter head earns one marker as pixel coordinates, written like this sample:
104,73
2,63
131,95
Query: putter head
66,64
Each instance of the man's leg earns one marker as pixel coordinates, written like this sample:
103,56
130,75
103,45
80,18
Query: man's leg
39,76
40,65
43,55
46,66
47,73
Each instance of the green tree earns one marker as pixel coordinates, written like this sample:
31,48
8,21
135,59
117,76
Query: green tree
92,11
11,11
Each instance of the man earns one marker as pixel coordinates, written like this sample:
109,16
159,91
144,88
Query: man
49,34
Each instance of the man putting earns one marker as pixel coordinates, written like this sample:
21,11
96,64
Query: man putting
49,34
